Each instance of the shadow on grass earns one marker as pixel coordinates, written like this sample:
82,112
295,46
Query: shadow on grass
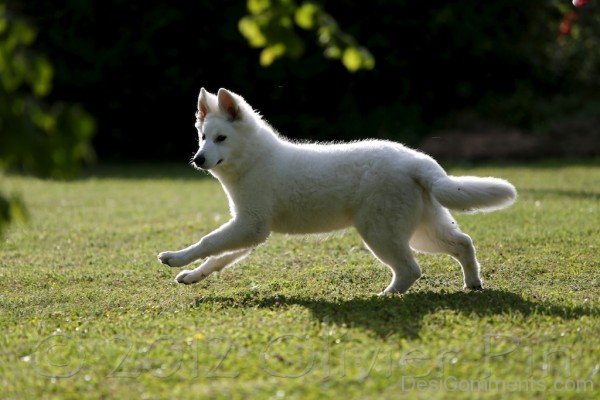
404,314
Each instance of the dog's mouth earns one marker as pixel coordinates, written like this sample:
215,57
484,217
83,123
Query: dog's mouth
205,168
197,166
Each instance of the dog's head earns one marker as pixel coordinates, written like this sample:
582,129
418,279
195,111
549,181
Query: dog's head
223,123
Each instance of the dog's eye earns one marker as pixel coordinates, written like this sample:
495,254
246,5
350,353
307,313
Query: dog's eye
203,136
220,138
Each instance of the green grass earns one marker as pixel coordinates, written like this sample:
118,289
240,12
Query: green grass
86,311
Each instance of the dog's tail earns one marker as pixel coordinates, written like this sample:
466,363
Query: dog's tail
466,193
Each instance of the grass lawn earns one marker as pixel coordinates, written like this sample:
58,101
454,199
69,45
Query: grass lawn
86,310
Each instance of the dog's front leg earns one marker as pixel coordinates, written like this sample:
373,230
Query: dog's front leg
212,264
237,234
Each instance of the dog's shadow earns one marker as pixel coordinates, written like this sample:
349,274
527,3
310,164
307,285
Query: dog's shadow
404,314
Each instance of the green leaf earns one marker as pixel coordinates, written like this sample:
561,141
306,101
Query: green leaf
258,6
333,52
22,32
306,15
352,59
18,211
12,209
368,61
250,29
43,77
271,53
44,120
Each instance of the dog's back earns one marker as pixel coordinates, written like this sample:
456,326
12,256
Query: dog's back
318,187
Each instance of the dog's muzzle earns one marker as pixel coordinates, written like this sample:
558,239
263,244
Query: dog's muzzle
199,160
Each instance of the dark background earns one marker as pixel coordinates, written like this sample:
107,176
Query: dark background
471,66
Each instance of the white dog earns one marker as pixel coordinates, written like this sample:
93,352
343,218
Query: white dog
397,198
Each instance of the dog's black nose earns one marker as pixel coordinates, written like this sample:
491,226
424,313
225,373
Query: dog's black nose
199,160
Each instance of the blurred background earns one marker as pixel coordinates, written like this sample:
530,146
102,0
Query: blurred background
118,80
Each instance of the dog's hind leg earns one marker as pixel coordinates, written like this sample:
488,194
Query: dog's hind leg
212,264
389,244
438,232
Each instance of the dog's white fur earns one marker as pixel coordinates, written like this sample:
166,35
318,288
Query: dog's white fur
396,197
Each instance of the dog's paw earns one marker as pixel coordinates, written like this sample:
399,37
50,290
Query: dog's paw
188,277
389,292
171,258
475,287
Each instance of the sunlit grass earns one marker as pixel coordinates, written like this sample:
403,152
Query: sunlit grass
86,311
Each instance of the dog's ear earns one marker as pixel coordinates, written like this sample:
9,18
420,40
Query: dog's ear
228,104
203,108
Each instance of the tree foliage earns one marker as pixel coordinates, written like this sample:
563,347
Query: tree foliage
439,64
271,26
48,139
138,65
